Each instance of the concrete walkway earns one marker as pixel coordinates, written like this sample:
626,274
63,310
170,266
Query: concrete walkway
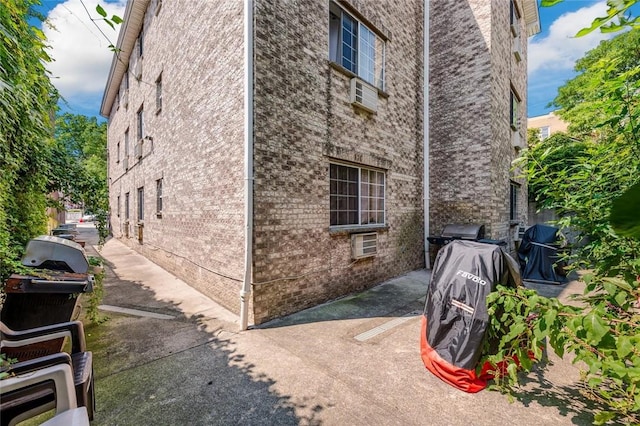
170,356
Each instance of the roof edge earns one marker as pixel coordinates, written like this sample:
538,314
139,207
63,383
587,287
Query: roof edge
132,22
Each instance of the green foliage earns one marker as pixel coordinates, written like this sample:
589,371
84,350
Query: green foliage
608,23
79,166
95,297
624,213
589,177
27,100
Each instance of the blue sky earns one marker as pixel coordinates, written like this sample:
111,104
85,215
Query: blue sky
82,57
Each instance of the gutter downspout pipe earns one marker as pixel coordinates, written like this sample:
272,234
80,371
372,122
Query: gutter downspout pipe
425,131
245,292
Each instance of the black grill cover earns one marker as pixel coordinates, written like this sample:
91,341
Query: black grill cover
537,254
455,314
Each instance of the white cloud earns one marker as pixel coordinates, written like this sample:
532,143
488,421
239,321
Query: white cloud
80,52
560,49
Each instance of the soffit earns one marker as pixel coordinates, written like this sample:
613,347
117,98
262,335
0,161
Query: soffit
531,17
133,20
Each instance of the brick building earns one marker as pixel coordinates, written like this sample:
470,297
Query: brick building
278,146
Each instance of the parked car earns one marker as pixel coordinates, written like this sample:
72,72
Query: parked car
88,218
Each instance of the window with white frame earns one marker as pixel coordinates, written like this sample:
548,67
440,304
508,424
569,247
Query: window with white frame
357,195
356,47
514,118
545,132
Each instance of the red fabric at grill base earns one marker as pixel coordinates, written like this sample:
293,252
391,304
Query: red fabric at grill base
465,380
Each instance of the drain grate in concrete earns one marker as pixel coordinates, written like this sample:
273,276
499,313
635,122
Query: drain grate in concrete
135,312
386,326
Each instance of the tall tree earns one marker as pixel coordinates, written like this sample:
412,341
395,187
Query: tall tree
585,176
27,102
80,164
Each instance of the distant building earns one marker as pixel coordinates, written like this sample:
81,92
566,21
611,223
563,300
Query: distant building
548,124
331,130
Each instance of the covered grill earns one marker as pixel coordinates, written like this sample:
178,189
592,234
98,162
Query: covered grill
48,295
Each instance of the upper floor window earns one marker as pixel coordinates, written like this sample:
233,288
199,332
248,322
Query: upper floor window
126,144
514,119
140,43
140,120
159,197
514,189
126,206
514,19
141,204
118,152
544,132
357,196
159,93
356,47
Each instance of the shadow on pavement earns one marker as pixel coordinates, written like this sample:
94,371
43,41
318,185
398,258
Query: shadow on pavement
184,370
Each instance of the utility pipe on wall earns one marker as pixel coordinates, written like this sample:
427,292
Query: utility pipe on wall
245,292
425,131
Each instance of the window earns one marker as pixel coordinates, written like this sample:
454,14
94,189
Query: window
126,206
544,132
140,43
356,47
356,196
118,206
158,6
126,146
140,120
118,153
140,204
513,200
159,93
514,119
515,19
159,197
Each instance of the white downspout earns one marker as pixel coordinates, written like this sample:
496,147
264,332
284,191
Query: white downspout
425,131
245,292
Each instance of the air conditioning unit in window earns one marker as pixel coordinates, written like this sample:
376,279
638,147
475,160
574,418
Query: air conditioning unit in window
138,149
364,245
363,95
516,140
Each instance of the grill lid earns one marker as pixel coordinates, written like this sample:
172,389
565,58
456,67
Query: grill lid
56,253
463,231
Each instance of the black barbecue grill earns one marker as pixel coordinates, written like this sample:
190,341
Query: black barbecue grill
47,292
458,231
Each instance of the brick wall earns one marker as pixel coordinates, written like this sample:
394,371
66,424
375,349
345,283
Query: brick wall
304,120
472,69
197,148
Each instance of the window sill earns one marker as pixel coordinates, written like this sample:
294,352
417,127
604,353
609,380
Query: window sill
158,111
514,222
356,229
159,215
350,74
